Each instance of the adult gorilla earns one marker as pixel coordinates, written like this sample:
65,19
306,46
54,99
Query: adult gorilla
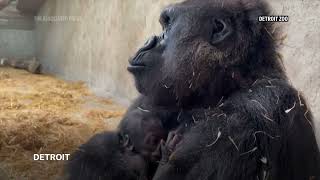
216,62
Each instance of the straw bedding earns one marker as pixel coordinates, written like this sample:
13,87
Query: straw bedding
42,114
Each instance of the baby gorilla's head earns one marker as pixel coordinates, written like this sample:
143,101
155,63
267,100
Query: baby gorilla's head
143,130
106,156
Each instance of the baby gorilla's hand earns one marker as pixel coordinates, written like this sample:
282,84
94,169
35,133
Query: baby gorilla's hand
167,148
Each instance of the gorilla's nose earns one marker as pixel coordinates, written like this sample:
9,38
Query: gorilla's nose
151,43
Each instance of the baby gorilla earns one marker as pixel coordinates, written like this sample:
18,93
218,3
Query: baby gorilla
105,156
126,154
144,129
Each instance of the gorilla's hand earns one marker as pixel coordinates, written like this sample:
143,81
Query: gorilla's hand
168,147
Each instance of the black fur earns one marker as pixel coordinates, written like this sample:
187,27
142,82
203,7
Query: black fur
104,156
258,134
146,126
215,61
128,153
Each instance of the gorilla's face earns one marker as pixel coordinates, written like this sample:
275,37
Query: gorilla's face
199,39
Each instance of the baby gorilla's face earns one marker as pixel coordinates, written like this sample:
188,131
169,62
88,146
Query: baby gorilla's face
144,132
106,156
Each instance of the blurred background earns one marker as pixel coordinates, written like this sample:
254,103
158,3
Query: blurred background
91,41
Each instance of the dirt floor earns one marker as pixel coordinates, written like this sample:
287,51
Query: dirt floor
43,114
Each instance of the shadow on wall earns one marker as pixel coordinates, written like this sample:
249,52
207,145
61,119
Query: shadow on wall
92,41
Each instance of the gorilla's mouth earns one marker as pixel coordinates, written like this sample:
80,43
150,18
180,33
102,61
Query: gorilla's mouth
135,68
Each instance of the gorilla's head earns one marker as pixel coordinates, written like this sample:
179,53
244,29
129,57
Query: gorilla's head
207,46
106,156
144,129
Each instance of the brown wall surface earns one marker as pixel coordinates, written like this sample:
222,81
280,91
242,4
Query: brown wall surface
96,42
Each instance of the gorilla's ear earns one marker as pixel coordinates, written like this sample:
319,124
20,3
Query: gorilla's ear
126,142
221,30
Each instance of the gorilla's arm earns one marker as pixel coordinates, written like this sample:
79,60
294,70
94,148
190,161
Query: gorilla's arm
262,132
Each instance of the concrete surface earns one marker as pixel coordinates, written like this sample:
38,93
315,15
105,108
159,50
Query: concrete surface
11,18
29,6
17,43
17,38
96,42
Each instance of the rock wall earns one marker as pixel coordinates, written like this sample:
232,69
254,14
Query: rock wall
96,42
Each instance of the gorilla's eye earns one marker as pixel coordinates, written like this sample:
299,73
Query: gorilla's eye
220,31
165,20
218,26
